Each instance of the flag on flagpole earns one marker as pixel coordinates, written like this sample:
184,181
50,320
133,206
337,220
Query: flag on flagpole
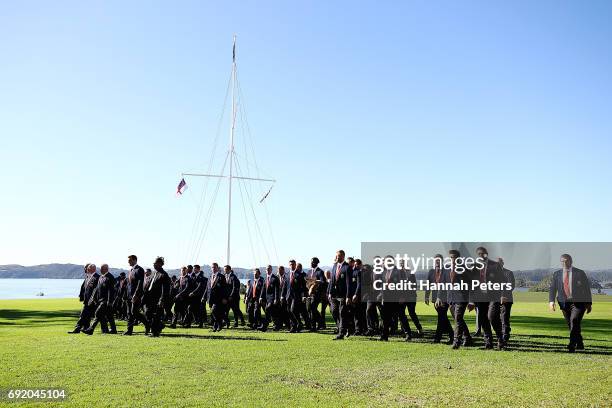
182,186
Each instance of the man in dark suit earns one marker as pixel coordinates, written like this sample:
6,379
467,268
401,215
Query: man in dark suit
435,276
181,298
283,309
87,289
120,295
367,278
216,297
253,299
359,307
459,298
316,294
195,310
156,293
507,300
102,300
270,298
391,304
233,297
339,294
134,292
296,295
488,301
572,288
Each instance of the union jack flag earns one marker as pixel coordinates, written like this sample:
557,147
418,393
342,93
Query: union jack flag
182,186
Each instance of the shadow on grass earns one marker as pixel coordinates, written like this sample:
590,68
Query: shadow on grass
213,337
18,317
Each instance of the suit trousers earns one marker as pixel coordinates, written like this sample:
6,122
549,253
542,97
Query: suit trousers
461,328
444,326
573,314
342,314
506,308
372,316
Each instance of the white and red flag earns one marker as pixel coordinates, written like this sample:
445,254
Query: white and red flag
182,186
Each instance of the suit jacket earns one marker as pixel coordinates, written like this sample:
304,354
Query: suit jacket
391,276
185,286
508,294
199,286
157,289
216,288
271,289
105,291
259,285
431,278
463,293
135,282
88,287
580,287
297,286
356,282
409,295
283,285
494,273
233,286
340,287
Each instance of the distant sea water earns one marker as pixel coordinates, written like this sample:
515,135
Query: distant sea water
68,288
52,288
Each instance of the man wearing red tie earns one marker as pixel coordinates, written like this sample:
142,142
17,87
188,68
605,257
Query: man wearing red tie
270,298
252,299
339,294
572,289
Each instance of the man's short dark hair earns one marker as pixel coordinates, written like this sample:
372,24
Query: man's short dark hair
315,259
568,257
196,266
482,249
160,259
454,252
133,257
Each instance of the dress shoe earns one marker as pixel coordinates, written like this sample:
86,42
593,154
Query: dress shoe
339,337
468,342
383,338
75,331
127,333
88,331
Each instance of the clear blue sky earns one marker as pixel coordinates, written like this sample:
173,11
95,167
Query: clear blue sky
382,121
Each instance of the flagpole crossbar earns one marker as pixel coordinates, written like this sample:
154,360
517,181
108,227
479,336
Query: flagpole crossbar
224,176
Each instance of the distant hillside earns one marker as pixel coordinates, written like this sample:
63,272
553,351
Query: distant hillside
72,271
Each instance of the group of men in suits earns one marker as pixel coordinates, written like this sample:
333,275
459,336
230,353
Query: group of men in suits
297,300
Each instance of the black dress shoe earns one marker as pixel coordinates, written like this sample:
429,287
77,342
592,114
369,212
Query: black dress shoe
339,337
449,341
580,346
112,332
468,342
408,337
488,345
88,332
75,331
127,333
455,345
436,341
383,338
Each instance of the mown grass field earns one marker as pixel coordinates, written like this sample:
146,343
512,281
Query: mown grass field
238,367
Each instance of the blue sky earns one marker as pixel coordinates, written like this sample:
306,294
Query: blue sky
382,121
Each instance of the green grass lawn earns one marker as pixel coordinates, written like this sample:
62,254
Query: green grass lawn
195,367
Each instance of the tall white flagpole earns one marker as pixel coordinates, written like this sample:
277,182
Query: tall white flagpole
231,151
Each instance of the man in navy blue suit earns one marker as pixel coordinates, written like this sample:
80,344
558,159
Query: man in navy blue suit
339,294
572,289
